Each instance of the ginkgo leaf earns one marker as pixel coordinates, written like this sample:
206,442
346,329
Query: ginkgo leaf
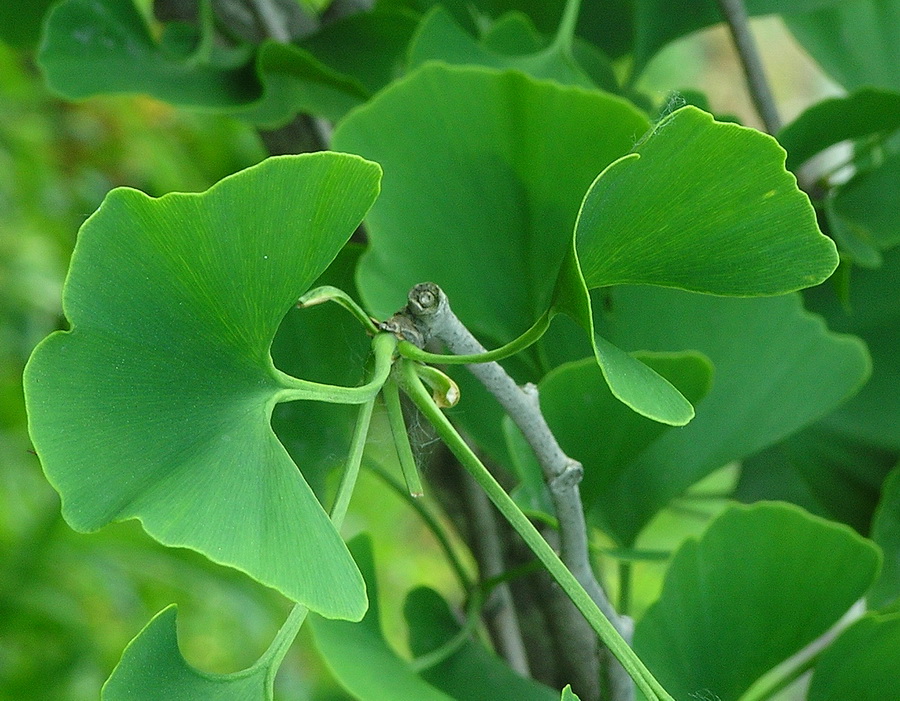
152,668
156,404
749,594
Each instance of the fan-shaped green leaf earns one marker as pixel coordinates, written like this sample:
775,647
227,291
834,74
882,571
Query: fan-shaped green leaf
770,358
699,205
440,38
156,404
93,47
153,668
357,653
706,206
104,46
857,42
748,595
484,174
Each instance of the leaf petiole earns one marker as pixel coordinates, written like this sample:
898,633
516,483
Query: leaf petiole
431,522
533,334
354,460
444,390
285,636
327,293
442,652
565,33
391,396
292,388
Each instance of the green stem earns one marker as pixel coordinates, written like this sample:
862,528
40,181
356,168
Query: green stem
477,597
284,638
408,350
354,460
491,583
431,522
286,635
401,438
207,22
292,388
565,33
327,293
636,669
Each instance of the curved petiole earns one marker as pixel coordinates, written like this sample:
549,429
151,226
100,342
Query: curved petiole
442,652
328,293
444,389
636,669
286,635
292,388
533,334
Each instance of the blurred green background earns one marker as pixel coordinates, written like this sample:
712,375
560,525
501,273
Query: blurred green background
69,603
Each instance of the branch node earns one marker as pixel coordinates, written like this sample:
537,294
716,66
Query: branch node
531,397
569,477
425,299
403,328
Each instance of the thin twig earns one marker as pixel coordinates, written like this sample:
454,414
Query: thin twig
499,609
272,20
735,14
430,312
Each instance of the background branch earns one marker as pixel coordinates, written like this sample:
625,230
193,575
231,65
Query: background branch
738,21
499,612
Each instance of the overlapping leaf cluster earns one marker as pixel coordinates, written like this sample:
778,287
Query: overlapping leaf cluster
523,175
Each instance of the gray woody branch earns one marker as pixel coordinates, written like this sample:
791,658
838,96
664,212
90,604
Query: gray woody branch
429,311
